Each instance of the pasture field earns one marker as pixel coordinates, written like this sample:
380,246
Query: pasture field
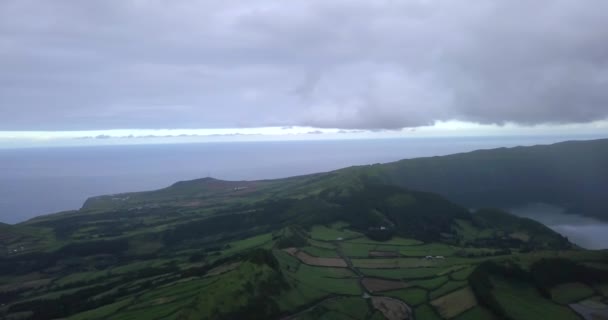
356,249
325,272
246,244
322,244
432,249
287,261
351,307
571,292
396,241
333,232
405,273
320,252
429,284
416,279
426,312
477,313
433,288
300,295
328,280
411,296
317,261
102,312
81,277
447,288
522,301
322,278
463,273
395,263
338,308
455,303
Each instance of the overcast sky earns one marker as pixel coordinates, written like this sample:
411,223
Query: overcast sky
344,64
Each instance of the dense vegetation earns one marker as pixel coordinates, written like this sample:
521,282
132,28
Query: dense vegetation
572,175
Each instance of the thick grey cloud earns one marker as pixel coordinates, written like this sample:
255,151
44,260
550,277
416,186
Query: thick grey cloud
70,65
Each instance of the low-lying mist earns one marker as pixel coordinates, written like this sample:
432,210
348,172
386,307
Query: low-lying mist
586,232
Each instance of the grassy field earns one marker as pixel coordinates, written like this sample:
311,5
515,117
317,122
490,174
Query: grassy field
352,308
430,284
330,280
571,292
299,295
462,274
102,312
447,288
426,312
395,263
356,249
333,232
433,249
411,296
477,313
522,301
249,243
322,244
455,303
202,279
396,241
320,252
404,273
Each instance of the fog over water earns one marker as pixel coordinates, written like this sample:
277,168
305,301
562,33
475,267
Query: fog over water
44,180
586,232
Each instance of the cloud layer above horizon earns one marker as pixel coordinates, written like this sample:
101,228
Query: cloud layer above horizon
92,65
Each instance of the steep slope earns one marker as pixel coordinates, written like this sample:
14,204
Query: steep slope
573,175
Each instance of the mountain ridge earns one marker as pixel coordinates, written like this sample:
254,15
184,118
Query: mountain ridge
445,175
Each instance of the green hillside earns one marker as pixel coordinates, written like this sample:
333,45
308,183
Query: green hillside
573,175
340,245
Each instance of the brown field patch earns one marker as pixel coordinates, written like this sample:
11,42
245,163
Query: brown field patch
316,261
384,254
379,285
391,308
455,303
394,263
